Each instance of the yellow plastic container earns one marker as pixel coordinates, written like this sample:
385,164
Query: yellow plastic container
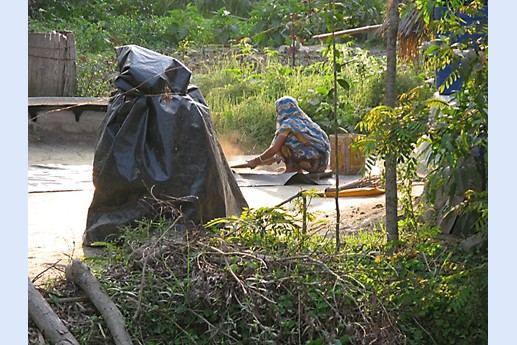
350,161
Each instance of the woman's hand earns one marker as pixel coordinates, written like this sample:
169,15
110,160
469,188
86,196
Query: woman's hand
253,163
267,157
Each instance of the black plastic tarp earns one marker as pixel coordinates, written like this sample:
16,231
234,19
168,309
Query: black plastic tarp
157,142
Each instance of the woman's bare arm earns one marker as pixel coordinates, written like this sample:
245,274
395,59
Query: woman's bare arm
265,157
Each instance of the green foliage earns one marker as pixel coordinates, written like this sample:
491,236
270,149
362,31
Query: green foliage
212,22
375,87
475,203
271,21
225,28
107,26
96,73
458,140
240,87
399,131
458,135
439,292
407,172
183,25
94,10
284,22
235,7
264,229
395,130
443,295
258,278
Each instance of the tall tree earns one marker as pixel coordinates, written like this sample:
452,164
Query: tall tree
391,101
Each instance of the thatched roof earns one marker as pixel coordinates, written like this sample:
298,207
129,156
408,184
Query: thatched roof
411,32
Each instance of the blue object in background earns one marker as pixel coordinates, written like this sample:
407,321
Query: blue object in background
443,74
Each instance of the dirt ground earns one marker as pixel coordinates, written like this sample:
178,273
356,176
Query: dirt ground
57,219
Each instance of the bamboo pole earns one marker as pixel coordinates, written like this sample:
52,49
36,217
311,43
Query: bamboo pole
353,31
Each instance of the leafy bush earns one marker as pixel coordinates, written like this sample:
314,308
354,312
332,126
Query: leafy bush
259,278
95,10
280,22
375,85
441,293
96,73
235,7
226,29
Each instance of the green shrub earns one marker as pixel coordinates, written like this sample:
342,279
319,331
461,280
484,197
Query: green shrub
375,85
235,7
259,278
441,293
95,75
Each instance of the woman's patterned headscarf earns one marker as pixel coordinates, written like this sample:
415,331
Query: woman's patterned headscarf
286,107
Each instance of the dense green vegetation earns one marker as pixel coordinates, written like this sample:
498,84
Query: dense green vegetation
242,91
169,24
234,61
258,278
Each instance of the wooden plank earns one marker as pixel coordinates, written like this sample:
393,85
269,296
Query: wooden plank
75,104
67,101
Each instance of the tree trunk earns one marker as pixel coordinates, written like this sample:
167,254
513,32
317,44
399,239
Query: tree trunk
47,321
80,274
391,101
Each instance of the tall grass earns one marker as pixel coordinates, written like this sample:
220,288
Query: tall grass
241,89
241,92
241,83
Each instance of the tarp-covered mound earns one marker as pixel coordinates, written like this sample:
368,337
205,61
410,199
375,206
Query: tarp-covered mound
157,143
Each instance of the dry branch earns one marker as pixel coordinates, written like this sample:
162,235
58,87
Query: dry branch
46,320
80,274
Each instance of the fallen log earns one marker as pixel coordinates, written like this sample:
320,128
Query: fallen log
80,274
49,324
